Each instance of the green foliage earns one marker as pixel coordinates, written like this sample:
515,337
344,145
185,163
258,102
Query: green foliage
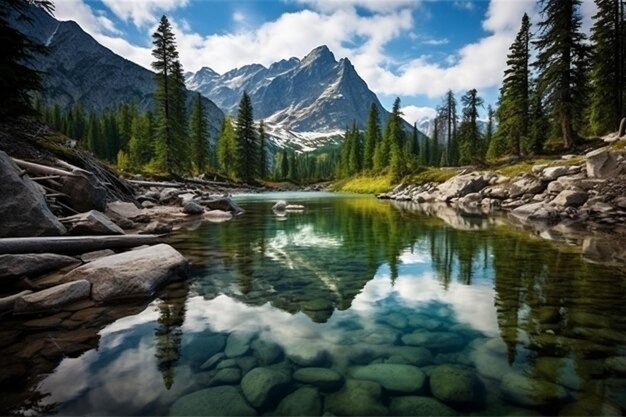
372,137
365,184
562,62
227,148
199,135
608,67
425,175
262,151
247,155
470,138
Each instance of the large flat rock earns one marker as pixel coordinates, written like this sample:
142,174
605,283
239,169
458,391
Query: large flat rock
32,264
52,298
137,273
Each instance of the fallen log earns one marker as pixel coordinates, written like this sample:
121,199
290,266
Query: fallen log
157,184
73,244
39,169
73,168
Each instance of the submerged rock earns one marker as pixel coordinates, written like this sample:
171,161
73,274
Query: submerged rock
323,378
443,341
23,208
530,392
218,401
356,398
395,378
137,273
237,345
261,386
454,384
266,352
305,401
419,406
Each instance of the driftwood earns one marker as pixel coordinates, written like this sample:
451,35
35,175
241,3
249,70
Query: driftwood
39,169
73,244
622,128
72,168
157,184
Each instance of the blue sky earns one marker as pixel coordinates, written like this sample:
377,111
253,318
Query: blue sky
414,49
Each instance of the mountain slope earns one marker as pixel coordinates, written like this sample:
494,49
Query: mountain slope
79,69
305,103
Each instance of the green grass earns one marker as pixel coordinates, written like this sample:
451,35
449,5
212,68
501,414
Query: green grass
431,174
526,166
365,184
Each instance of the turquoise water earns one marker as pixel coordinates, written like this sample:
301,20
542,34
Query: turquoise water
397,312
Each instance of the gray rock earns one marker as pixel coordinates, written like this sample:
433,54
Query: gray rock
454,384
227,363
92,256
419,406
156,228
537,212
137,273
148,204
119,210
217,401
528,392
356,398
266,352
84,192
91,223
237,345
570,198
31,265
602,163
212,361
441,341
418,356
395,378
53,297
7,303
169,196
261,386
620,202
223,204
281,205
552,173
526,185
307,354
323,378
462,185
555,187
23,208
227,376
305,401
246,363
192,208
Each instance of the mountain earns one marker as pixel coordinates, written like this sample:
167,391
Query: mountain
79,69
305,103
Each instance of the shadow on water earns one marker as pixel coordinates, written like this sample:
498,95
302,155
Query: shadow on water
346,284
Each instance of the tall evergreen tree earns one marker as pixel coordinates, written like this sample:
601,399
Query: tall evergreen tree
262,151
469,133
608,37
539,124
515,92
489,132
284,165
171,144
447,115
247,148
17,79
227,148
372,137
199,136
562,62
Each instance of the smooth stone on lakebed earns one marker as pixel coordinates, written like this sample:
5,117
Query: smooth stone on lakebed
413,355
228,376
237,345
32,265
323,378
52,298
307,354
356,398
444,341
395,378
419,406
266,352
261,386
305,401
131,274
217,401
529,392
454,384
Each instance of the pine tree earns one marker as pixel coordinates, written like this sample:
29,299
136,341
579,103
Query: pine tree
199,129
539,126
355,156
514,106
246,163
372,137
469,134
489,132
447,116
262,152
393,140
608,37
140,146
17,79
284,165
171,144
562,62
227,148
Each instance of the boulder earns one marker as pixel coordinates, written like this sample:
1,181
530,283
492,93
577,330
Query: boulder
419,406
531,392
537,212
323,378
33,264
552,173
224,204
217,401
356,398
266,352
280,205
602,163
227,376
305,401
454,384
192,208
395,378
23,208
156,228
84,192
570,198
461,185
92,256
170,195
413,355
212,361
526,185
237,345
137,273
92,222
262,386
53,298
121,212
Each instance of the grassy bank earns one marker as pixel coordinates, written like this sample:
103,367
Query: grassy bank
376,184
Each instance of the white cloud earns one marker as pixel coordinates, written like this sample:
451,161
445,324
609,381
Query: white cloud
380,6
142,12
239,16
413,114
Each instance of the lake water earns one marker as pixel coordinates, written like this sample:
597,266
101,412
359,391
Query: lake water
352,307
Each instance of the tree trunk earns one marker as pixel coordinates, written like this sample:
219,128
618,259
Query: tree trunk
73,244
569,137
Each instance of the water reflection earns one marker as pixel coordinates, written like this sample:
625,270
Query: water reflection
346,283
